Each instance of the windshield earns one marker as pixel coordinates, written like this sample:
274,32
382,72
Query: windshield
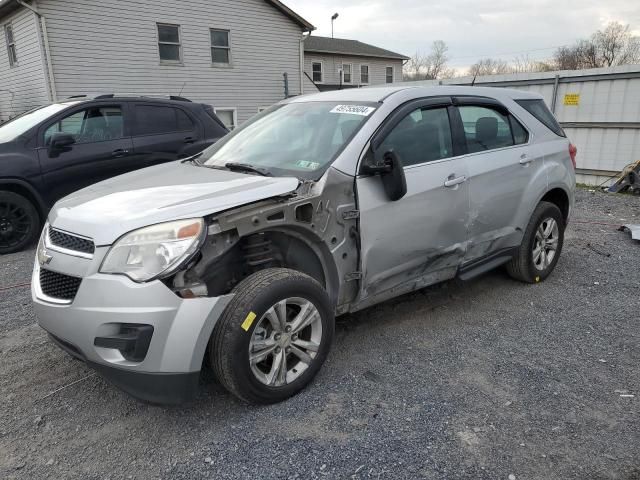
295,139
14,128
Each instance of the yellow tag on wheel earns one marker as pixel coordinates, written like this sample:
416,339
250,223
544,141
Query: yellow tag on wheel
246,325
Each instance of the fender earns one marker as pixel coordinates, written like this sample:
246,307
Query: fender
41,205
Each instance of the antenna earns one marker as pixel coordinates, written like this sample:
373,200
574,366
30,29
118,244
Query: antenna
473,82
183,85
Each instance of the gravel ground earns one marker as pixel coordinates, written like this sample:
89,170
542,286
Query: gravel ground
488,379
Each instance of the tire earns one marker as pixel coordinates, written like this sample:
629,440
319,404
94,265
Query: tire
19,222
526,265
247,324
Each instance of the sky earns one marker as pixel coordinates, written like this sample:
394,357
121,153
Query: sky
472,29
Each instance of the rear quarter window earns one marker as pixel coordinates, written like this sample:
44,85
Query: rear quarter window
538,109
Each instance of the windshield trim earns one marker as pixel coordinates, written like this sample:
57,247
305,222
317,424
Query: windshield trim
313,175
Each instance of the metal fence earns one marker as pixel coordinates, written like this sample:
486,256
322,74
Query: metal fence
598,108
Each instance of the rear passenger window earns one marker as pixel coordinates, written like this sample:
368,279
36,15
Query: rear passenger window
520,134
488,129
152,120
422,136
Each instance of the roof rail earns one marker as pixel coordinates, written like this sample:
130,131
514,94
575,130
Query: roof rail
178,98
117,95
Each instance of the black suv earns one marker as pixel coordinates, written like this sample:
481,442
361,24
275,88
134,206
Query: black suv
57,149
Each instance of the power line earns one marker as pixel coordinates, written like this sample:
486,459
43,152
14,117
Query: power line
507,53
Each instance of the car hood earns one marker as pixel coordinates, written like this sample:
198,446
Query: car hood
109,209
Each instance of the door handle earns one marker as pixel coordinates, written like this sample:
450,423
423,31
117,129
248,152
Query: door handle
120,152
525,160
452,181
189,140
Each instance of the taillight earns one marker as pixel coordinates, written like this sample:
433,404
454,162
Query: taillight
572,153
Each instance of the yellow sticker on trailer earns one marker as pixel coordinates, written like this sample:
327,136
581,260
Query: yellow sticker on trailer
572,99
246,325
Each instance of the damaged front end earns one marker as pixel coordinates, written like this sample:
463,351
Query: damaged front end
312,230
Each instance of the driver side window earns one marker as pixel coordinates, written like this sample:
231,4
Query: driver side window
94,124
422,136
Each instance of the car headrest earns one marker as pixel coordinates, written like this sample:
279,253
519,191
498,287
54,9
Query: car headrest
486,129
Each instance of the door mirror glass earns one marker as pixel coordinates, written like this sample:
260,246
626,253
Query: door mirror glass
391,171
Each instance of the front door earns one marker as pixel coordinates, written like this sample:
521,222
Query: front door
421,238
101,149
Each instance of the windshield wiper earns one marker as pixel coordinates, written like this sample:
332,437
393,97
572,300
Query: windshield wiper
245,167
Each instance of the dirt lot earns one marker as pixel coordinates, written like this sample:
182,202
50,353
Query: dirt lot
488,379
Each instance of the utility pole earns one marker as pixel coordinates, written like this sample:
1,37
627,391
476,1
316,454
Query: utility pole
335,15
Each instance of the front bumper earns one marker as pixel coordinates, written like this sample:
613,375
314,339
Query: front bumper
169,371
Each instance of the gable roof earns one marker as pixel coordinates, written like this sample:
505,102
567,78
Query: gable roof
342,46
292,15
7,6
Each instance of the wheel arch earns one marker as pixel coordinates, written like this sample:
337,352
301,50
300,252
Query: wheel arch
560,198
26,190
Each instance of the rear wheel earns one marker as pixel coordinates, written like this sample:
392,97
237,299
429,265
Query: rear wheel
273,337
19,222
541,245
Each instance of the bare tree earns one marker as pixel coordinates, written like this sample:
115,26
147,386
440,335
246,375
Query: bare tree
525,64
414,67
436,62
431,66
488,66
615,45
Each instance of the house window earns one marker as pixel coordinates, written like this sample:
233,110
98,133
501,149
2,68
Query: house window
220,47
11,45
346,72
364,74
169,43
389,74
316,70
228,116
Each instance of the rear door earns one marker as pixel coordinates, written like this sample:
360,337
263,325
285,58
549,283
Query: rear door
502,163
163,133
101,150
419,239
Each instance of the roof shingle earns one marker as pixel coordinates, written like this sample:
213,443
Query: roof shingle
342,46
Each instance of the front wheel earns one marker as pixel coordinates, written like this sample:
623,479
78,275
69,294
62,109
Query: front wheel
273,337
19,222
541,245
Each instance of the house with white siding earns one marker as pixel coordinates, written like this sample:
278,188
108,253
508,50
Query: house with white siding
336,63
237,55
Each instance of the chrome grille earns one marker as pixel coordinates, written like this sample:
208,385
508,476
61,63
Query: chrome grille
70,242
58,285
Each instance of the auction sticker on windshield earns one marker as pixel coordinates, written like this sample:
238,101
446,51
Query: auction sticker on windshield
353,110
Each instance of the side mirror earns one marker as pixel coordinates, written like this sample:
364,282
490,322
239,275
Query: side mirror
61,142
391,172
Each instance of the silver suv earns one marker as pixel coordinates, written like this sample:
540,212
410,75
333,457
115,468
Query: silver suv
242,256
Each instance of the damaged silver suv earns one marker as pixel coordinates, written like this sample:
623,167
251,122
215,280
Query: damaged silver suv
242,256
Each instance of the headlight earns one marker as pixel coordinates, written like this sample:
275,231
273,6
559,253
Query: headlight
154,251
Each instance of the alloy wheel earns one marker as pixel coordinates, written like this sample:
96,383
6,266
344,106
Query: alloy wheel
545,244
285,342
15,224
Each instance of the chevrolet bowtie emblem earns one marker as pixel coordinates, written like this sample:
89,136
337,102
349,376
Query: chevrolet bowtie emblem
43,257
